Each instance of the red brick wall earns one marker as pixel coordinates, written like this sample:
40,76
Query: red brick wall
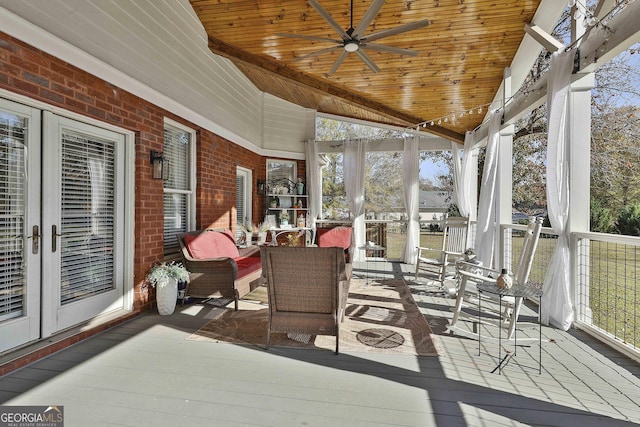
28,71
217,160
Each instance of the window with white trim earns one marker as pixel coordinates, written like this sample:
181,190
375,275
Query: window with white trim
179,183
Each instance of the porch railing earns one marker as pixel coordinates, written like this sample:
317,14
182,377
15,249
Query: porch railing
606,271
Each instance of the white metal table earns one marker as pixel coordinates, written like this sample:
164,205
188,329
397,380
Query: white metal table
516,291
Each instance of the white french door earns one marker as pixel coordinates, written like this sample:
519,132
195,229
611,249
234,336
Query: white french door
62,223
20,224
82,225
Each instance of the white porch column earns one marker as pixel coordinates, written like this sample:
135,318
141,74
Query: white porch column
579,161
504,191
504,194
473,216
579,179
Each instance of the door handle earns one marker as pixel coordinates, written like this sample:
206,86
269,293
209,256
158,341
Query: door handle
35,239
54,236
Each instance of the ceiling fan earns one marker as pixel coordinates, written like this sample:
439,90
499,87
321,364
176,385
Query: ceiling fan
354,40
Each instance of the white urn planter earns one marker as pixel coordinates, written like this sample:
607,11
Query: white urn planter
165,277
167,296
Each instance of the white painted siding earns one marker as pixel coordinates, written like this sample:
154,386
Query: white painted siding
162,44
286,125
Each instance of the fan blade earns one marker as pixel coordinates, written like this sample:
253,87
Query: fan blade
320,52
327,17
367,18
312,38
397,30
390,49
367,60
336,64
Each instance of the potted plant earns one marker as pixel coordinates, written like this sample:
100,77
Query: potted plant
263,228
254,232
284,218
164,277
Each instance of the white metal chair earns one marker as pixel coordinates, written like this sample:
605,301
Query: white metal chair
476,274
455,240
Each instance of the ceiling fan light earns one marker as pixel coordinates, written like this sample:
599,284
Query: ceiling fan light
351,46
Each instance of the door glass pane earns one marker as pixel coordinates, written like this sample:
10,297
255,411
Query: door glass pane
88,209
12,215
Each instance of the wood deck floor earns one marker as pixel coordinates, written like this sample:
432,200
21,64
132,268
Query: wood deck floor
145,372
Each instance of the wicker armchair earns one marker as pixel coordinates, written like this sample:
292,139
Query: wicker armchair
230,273
307,289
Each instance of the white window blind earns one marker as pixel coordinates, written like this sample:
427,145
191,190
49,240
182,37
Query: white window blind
12,215
87,216
177,186
241,211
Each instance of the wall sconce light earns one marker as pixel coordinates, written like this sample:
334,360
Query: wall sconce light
262,188
157,164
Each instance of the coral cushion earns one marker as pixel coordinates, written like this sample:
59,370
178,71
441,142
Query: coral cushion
211,244
247,265
335,237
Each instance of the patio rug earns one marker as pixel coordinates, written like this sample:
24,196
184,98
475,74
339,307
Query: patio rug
381,317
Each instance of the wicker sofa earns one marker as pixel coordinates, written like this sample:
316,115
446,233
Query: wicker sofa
218,268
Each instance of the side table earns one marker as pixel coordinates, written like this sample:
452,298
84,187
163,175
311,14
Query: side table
516,291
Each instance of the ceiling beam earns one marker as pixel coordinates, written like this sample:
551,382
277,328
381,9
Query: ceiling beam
268,65
547,41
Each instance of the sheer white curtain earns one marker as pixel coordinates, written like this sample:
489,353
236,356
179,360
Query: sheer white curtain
557,304
462,174
410,173
314,182
486,228
354,159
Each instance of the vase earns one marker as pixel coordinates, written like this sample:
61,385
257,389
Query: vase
262,237
167,296
300,188
504,281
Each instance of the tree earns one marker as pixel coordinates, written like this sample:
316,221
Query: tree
615,170
628,222
383,186
601,220
615,155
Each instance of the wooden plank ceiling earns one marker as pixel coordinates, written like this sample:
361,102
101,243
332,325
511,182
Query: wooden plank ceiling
459,65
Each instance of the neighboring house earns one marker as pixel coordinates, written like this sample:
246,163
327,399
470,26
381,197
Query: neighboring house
433,204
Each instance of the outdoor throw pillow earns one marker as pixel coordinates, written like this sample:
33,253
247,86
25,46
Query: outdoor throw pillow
211,244
336,237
